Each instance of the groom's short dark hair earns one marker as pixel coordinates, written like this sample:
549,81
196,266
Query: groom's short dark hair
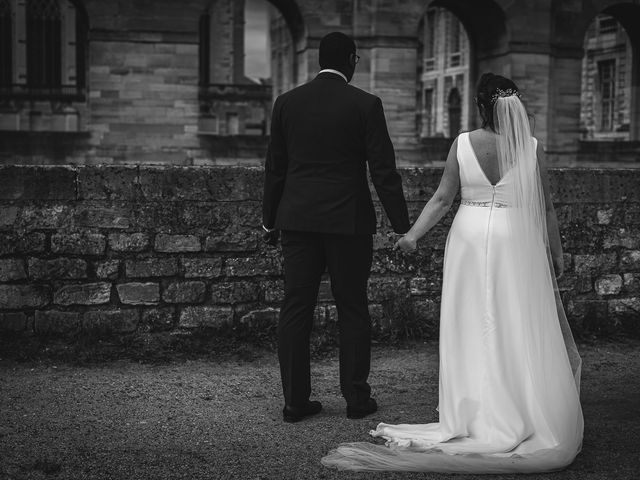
335,49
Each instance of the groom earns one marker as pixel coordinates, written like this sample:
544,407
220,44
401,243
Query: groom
323,136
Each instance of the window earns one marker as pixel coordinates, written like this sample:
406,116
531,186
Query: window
246,56
6,40
453,41
427,128
204,49
430,40
606,84
454,34
44,52
233,124
455,112
607,24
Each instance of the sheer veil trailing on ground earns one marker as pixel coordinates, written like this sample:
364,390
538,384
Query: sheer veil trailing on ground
524,414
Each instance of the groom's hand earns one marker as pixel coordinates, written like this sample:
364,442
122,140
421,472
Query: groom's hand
270,237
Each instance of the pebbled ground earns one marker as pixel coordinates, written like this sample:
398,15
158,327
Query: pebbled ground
220,417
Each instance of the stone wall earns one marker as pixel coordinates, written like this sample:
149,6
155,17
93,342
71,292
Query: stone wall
167,251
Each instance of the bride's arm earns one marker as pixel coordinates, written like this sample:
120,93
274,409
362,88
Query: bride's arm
553,231
438,205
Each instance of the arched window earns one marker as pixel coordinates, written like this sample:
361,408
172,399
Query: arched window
443,75
6,40
606,109
44,49
246,59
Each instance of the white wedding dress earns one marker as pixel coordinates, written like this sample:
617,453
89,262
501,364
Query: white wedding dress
508,391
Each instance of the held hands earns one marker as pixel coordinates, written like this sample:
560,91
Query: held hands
407,243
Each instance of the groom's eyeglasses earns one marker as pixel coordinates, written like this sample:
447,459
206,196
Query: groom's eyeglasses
355,58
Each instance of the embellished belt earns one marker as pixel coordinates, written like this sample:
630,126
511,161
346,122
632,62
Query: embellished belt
473,203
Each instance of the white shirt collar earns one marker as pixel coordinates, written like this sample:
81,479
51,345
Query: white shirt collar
331,70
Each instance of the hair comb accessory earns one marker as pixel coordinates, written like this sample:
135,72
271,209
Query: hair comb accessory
509,92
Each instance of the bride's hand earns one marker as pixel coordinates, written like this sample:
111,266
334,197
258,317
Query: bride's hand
558,266
406,244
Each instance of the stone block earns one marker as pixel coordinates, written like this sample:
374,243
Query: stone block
206,316
324,290
13,322
22,182
53,321
107,182
108,269
219,184
11,243
252,266
625,307
159,319
385,288
376,312
594,264
128,242
233,242
623,237
8,216
272,290
234,292
608,285
261,319
136,293
177,243
78,243
152,267
586,312
419,286
23,296
604,216
57,268
184,292
319,316
12,269
45,217
202,267
630,260
386,263
100,215
632,282
111,321
632,215
83,294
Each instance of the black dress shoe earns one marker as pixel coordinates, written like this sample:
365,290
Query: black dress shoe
295,414
362,410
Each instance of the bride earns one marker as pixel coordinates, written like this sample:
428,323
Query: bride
509,368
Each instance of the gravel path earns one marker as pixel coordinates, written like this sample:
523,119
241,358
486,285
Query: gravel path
220,418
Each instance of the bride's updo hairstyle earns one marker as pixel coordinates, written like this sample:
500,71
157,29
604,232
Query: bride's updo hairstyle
490,86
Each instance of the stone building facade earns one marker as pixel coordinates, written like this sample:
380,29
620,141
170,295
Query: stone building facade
137,95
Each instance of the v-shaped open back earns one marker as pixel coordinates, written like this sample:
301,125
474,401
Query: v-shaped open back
474,183
477,161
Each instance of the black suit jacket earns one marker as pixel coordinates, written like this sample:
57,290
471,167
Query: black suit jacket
323,135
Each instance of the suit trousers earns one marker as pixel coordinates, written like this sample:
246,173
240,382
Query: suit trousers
307,255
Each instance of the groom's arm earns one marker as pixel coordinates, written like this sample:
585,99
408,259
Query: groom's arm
382,168
275,169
